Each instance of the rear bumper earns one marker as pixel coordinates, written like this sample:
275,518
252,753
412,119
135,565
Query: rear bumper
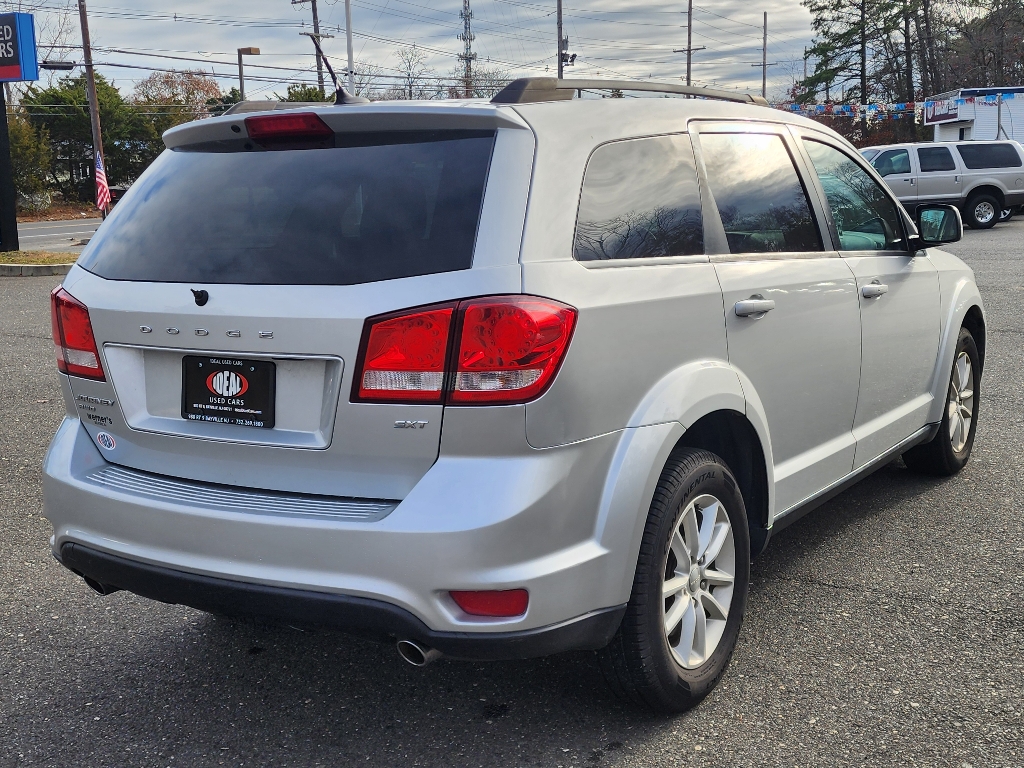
361,616
496,522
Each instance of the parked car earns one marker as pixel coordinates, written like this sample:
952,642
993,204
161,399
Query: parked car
985,179
498,380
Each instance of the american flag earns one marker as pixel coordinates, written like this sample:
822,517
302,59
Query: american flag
102,190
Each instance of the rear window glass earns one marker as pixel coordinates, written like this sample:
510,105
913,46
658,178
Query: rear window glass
763,204
935,159
375,207
978,156
640,199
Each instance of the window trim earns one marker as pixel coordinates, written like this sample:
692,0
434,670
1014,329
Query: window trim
648,261
800,135
713,224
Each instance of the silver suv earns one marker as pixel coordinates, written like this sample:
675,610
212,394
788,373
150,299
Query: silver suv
985,179
498,380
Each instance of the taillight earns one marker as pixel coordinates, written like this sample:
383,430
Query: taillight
403,359
504,603
508,350
290,130
73,339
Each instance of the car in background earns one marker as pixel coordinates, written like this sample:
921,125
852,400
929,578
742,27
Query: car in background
984,179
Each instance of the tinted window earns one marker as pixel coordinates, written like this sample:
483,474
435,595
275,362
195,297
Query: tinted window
892,161
935,159
866,217
640,198
989,155
380,207
759,195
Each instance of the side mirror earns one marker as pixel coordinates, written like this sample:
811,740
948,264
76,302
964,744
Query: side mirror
937,225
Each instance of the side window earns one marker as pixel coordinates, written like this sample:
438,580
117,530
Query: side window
763,205
935,159
978,156
640,198
866,217
892,161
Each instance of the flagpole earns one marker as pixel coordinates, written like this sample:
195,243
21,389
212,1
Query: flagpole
90,82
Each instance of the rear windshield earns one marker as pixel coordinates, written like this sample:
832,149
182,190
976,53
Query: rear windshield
977,156
375,207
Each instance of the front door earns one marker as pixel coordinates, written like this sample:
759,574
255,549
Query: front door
899,300
792,317
940,179
894,166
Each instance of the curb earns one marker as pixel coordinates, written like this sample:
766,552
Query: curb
34,270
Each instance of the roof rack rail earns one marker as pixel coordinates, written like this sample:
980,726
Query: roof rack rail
528,90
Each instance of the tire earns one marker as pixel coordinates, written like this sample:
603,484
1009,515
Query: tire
948,452
1006,214
641,664
982,212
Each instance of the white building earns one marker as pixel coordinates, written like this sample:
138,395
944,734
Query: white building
977,113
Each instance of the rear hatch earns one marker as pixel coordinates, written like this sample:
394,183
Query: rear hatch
229,290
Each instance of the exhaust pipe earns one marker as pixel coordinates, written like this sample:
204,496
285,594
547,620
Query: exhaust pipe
416,654
103,589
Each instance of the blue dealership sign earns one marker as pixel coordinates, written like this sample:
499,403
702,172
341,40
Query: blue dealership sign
18,48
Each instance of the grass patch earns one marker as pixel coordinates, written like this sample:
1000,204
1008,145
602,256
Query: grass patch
37,257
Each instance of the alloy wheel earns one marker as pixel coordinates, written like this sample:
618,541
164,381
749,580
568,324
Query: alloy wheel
961,402
984,212
698,585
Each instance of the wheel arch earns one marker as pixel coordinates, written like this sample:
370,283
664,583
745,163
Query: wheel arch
965,310
730,435
986,189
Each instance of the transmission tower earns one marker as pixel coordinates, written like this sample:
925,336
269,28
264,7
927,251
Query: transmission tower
467,57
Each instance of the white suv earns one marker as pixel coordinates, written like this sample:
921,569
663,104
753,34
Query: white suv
498,380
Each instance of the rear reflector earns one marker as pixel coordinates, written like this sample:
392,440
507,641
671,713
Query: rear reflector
73,340
493,603
507,350
289,130
404,356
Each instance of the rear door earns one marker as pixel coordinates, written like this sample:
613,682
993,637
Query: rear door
899,301
792,316
896,167
229,291
940,180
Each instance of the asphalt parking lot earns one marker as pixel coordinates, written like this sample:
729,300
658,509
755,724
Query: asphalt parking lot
887,628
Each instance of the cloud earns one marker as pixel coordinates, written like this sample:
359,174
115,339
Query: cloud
611,38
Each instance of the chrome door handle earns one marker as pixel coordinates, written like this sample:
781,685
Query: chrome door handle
874,290
754,306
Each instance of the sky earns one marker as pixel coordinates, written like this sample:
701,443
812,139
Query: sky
612,38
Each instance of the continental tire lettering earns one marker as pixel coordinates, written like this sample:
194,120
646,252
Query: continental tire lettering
706,476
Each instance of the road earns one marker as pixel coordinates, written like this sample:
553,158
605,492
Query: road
56,235
883,629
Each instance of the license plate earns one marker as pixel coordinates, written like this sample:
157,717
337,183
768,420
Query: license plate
228,390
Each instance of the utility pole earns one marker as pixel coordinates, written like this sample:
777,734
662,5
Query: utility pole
764,59
561,49
316,33
348,41
689,49
863,66
90,84
764,63
467,57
